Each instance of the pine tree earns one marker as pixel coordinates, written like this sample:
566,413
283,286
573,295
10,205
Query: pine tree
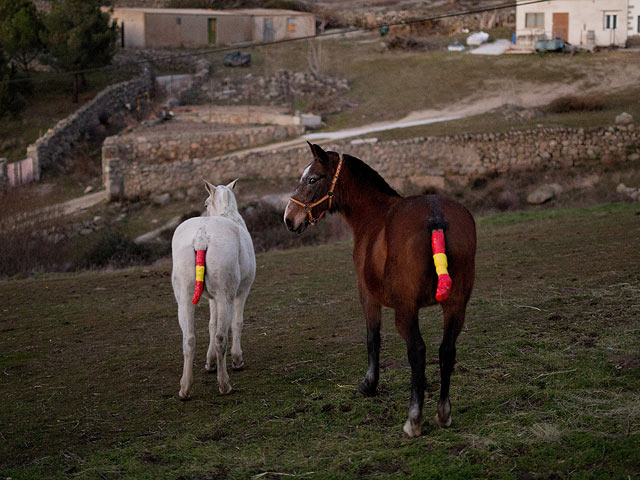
20,30
79,36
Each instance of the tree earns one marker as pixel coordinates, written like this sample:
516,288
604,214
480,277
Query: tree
12,89
20,29
79,36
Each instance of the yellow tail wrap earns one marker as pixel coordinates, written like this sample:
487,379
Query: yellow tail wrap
440,261
199,273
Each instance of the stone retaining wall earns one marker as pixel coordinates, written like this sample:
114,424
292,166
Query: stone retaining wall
278,89
426,162
179,142
51,150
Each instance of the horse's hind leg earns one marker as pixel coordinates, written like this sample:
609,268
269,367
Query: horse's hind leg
186,313
453,322
372,312
224,311
237,361
210,366
407,326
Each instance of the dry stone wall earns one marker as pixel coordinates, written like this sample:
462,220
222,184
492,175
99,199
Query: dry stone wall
278,89
51,150
423,161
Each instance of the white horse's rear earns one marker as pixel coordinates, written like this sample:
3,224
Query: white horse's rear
229,271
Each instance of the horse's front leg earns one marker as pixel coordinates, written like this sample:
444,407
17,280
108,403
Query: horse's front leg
373,315
408,327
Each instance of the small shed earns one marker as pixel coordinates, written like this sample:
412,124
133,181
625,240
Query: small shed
191,27
583,23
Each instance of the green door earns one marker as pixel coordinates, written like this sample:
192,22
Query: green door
212,31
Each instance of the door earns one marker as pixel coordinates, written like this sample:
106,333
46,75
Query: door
560,27
212,31
269,33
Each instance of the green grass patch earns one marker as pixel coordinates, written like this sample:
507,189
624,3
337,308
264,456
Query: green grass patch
546,384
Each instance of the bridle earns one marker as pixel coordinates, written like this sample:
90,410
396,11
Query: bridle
329,196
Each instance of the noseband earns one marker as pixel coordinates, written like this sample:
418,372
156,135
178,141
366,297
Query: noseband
329,196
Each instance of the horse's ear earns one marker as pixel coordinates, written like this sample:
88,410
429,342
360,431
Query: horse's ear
318,152
211,189
232,185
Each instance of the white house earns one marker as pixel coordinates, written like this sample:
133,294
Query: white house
583,23
634,18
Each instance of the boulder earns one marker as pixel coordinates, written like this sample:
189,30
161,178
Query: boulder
624,118
544,193
162,199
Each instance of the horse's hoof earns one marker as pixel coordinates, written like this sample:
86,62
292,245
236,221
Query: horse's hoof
211,367
237,365
367,389
412,430
184,396
445,424
225,389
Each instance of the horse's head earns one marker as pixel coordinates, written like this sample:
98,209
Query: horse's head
313,196
221,200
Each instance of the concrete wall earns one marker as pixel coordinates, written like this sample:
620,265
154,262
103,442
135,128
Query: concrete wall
584,16
633,18
285,27
430,162
133,23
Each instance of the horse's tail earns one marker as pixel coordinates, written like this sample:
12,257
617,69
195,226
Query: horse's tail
440,262
200,246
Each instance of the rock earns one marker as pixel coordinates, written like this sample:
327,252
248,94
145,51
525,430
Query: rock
634,157
89,189
162,199
624,118
544,193
311,121
97,220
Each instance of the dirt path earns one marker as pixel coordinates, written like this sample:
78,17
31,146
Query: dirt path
69,207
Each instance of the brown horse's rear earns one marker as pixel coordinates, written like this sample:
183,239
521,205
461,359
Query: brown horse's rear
409,274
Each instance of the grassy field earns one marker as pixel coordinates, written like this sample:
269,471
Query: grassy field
546,385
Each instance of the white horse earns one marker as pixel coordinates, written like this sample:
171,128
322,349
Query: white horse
230,268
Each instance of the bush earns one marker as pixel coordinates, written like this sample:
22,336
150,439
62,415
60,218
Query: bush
113,249
571,103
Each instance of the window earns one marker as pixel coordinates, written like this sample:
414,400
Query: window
610,21
533,20
291,25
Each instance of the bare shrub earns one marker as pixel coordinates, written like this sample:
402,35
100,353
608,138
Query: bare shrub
572,103
25,250
266,225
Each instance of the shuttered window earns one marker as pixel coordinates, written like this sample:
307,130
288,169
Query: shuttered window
533,20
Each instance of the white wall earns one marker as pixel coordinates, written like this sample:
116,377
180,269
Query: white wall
133,27
634,17
584,16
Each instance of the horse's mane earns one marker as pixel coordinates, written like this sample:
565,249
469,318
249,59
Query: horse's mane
365,174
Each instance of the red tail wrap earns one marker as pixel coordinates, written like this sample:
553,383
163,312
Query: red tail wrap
200,256
444,280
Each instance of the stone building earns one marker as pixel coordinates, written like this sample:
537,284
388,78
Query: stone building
189,27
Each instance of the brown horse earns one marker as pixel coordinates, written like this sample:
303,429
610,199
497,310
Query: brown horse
394,261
